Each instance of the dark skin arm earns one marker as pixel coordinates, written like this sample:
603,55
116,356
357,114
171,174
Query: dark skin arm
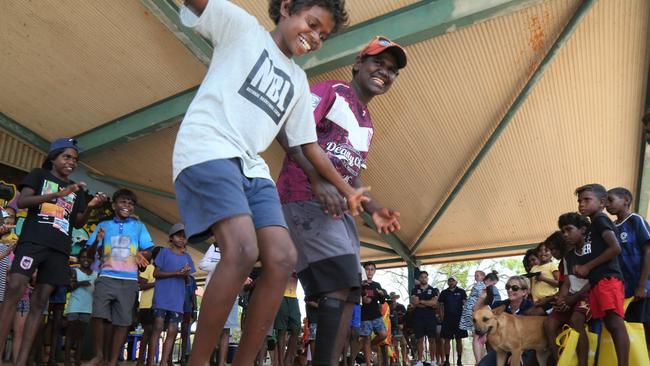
551,281
331,201
28,199
74,284
144,284
322,165
157,273
98,239
641,291
612,251
385,219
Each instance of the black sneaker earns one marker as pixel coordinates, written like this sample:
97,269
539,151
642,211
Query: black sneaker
446,363
459,363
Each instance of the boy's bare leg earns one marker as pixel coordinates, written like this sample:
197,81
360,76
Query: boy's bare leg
223,347
172,331
119,337
577,322
616,327
37,303
16,284
154,339
278,256
144,344
238,246
98,332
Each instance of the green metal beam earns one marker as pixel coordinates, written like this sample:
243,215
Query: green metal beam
27,135
398,246
491,253
126,184
137,124
418,22
408,25
378,248
167,12
562,39
81,174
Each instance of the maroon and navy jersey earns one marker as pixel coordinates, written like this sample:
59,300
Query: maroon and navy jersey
344,130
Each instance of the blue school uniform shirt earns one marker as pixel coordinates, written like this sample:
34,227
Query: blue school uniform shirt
121,243
633,233
169,293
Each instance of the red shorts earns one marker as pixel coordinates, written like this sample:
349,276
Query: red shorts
607,294
581,306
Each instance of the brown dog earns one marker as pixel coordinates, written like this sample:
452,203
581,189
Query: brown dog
511,333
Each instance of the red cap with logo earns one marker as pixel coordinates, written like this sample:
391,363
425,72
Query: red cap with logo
380,44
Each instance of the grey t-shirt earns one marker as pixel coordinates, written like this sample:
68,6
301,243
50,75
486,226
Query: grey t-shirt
250,91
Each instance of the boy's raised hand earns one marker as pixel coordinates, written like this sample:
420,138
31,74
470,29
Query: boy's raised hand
140,260
71,189
356,199
5,228
98,200
386,220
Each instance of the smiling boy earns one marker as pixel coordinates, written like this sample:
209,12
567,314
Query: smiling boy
252,90
125,247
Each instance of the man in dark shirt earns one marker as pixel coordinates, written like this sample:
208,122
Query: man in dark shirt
425,299
372,295
397,313
451,300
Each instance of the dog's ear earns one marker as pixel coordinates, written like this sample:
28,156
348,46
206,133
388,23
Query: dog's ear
499,310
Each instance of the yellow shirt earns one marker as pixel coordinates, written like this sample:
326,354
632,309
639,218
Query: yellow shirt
541,289
146,296
290,290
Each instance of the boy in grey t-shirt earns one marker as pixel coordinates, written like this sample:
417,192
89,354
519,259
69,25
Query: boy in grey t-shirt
251,92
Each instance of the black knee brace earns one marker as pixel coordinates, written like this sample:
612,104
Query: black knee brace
329,317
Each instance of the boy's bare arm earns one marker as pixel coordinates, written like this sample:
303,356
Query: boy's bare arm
324,167
641,291
28,199
613,250
196,6
325,192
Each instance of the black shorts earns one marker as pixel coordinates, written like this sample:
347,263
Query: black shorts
638,311
425,326
145,316
450,329
53,267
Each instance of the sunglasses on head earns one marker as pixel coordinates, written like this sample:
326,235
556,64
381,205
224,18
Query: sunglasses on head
513,288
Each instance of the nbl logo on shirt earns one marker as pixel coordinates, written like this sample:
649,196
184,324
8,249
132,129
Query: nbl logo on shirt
268,87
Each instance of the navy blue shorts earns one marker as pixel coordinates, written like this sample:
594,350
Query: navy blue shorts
216,190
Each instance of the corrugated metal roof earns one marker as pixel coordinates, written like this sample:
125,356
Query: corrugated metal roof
579,125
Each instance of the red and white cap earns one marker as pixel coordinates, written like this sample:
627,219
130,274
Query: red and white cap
380,44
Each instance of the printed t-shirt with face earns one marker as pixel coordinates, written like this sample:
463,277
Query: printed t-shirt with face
371,310
633,233
169,292
595,245
50,224
123,239
452,300
426,293
344,128
250,91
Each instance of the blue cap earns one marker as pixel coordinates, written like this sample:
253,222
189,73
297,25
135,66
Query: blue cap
64,144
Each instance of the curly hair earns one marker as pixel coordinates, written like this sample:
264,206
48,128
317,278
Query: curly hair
572,218
335,7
